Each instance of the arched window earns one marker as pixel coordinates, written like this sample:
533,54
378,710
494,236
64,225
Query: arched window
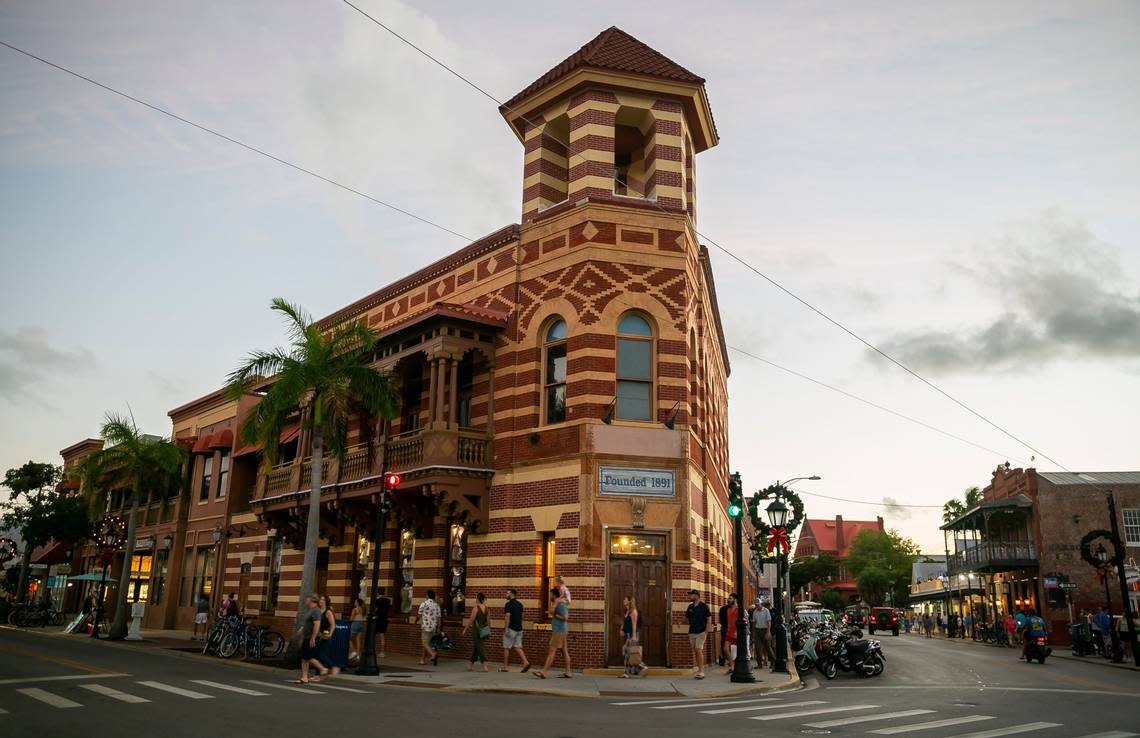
634,368
554,371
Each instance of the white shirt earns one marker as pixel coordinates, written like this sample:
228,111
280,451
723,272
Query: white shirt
429,615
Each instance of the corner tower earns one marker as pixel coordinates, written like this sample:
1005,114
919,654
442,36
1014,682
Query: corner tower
615,122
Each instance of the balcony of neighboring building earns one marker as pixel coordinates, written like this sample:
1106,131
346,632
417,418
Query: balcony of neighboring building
440,440
992,537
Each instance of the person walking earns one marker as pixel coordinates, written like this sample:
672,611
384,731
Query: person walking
968,626
730,634
631,645
328,628
356,629
698,616
429,624
201,617
383,607
722,620
762,622
480,623
513,631
1103,621
928,625
310,634
559,620
1010,625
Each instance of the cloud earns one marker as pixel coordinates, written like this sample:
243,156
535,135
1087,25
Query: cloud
26,356
1062,295
895,509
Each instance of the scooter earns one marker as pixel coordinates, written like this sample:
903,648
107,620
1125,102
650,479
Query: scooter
807,657
1037,648
864,657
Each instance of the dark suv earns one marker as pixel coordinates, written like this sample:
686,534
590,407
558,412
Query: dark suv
883,618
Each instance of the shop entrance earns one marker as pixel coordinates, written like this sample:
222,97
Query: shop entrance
638,568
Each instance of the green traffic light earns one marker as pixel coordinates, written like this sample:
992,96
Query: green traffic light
734,511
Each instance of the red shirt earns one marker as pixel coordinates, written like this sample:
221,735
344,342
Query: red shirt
730,634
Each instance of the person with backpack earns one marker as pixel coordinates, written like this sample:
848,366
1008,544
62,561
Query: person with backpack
480,621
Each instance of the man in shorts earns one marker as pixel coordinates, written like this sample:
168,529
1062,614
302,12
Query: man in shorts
513,631
429,624
201,617
698,616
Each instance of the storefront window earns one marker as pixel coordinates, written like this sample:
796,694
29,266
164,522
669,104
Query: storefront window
159,586
549,564
140,577
627,544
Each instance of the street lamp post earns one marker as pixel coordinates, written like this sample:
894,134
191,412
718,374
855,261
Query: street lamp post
777,518
1103,557
742,665
109,537
368,665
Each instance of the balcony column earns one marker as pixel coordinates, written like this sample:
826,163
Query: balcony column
491,399
441,379
433,388
452,407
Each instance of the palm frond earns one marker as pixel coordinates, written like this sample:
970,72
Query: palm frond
257,366
296,318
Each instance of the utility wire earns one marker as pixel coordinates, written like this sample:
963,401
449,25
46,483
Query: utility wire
867,502
731,254
224,137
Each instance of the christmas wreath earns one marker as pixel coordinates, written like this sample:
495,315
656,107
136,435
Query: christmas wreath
1102,568
8,550
110,535
766,541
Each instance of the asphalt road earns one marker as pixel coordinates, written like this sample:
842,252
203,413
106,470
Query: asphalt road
72,686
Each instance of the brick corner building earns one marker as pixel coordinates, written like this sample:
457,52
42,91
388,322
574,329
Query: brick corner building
563,402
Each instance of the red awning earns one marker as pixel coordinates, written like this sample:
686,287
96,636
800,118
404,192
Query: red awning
52,553
289,434
222,440
202,445
245,450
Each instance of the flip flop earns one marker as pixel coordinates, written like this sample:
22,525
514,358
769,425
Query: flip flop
540,675
564,675
526,668
300,681
699,676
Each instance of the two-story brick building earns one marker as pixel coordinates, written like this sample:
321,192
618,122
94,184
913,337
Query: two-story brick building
563,399
833,537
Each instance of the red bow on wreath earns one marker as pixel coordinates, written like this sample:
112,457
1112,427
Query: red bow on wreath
1103,571
778,537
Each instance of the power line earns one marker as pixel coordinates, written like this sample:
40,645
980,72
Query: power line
234,141
865,401
731,254
867,502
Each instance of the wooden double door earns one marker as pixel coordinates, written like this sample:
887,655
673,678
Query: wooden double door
647,581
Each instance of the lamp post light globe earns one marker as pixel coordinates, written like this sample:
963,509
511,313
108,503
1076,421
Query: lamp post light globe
777,513
1101,554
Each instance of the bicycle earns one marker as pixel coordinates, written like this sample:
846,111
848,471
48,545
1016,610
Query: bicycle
262,643
214,637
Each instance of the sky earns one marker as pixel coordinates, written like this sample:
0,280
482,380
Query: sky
958,183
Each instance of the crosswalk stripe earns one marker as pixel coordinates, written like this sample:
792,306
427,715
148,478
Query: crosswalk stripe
323,685
230,688
1111,734
178,691
286,687
47,697
867,718
932,724
114,693
805,713
714,703
657,702
1027,727
754,708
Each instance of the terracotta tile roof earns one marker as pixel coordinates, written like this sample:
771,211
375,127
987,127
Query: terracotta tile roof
824,533
615,50
436,268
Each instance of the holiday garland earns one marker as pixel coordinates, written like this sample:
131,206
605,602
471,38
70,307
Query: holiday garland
111,524
1086,548
756,512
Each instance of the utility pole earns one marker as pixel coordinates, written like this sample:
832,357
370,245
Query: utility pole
1118,556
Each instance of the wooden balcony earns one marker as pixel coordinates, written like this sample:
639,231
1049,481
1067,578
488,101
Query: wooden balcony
993,556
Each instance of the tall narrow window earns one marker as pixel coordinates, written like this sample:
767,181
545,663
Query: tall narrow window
207,474
554,379
188,596
548,569
223,473
159,586
274,575
634,368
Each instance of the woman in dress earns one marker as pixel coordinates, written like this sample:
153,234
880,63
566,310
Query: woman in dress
328,627
480,624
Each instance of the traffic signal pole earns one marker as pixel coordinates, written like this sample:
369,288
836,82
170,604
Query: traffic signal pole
368,665
742,665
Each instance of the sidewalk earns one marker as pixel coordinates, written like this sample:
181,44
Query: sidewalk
1059,652
452,676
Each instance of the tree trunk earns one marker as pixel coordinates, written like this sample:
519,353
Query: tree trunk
25,566
118,629
312,542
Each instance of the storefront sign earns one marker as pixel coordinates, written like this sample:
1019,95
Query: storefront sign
63,568
622,480
144,543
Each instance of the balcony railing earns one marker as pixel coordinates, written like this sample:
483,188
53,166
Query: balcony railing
415,450
993,555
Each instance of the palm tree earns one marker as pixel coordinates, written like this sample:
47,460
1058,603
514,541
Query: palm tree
955,508
138,464
325,373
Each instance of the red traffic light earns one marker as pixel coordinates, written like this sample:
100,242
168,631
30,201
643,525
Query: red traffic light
391,481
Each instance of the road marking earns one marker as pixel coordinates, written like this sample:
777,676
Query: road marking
658,702
286,687
48,698
867,718
114,693
932,724
711,704
178,691
820,711
985,687
1110,734
763,707
322,685
29,680
230,688
1027,727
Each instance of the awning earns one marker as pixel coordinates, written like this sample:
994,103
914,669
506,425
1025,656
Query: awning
93,576
222,440
289,434
52,553
253,448
202,445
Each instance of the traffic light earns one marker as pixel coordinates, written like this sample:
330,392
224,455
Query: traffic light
391,481
735,497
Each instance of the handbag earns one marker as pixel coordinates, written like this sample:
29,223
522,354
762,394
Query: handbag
440,642
632,655
484,631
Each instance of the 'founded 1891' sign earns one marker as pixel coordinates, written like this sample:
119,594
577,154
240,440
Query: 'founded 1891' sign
624,480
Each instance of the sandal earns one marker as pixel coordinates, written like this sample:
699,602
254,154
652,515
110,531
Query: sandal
564,675
526,668
699,676
300,681
540,674
504,670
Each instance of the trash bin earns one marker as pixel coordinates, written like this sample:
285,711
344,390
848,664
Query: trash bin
338,645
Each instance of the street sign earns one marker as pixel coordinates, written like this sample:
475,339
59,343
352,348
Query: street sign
1068,585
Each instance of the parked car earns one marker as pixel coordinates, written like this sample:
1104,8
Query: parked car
854,616
883,618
